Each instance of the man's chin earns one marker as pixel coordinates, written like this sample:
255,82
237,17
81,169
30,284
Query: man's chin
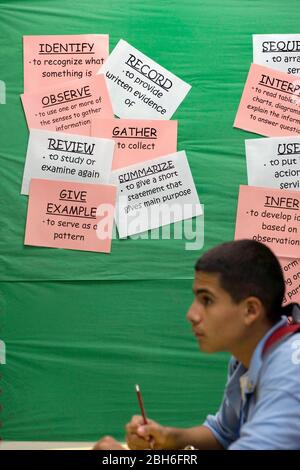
205,347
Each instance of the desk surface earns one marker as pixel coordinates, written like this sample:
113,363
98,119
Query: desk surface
45,445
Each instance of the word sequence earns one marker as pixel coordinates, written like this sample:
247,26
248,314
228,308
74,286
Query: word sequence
281,46
137,140
52,60
278,51
139,87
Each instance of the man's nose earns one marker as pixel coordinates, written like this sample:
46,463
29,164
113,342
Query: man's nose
193,314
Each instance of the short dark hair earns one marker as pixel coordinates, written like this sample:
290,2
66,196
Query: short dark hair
247,268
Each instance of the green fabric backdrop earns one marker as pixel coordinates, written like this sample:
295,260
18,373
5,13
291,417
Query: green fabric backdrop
82,328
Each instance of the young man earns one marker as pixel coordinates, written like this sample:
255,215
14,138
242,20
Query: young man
239,290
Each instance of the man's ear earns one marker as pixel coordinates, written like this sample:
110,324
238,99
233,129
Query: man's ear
253,310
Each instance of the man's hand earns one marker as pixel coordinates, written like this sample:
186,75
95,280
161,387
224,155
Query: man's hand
108,443
147,436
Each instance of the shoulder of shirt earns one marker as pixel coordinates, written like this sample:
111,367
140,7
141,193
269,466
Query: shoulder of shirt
278,363
282,348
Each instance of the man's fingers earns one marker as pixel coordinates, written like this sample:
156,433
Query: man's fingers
107,443
136,442
140,435
147,430
134,423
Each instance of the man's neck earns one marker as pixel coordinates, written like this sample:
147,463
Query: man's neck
245,352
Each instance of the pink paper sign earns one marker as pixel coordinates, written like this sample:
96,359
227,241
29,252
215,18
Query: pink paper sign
270,104
270,216
291,271
69,215
137,140
53,60
69,108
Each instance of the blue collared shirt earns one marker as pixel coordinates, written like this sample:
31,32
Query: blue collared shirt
261,405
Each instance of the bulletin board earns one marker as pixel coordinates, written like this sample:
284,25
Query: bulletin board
81,328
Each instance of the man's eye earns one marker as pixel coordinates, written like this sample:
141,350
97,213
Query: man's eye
206,300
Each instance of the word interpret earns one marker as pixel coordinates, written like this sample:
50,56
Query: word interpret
279,84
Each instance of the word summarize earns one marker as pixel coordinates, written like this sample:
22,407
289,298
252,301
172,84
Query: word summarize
155,193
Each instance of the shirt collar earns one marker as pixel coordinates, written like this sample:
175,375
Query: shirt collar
256,360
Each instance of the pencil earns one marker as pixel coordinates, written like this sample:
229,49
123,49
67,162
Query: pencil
139,395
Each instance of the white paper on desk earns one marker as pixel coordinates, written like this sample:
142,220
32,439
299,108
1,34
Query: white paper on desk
277,51
69,157
155,193
134,80
274,162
